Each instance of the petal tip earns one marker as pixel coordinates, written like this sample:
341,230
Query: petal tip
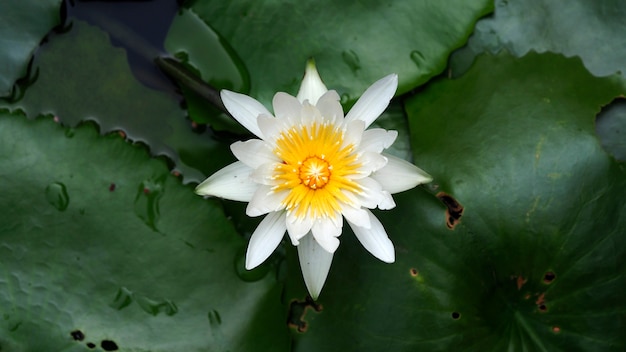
250,264
312,86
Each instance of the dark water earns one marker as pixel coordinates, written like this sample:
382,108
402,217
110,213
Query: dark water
138,26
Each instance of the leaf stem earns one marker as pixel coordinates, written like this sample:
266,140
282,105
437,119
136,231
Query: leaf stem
184,76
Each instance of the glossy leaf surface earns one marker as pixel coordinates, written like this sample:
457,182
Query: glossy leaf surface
100,241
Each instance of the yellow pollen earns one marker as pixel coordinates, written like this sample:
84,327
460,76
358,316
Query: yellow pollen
316,170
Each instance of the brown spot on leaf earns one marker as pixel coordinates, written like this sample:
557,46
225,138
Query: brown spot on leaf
297,313
456,315
454,209
556,329
414,272
541,303
520,282
112,187
541,299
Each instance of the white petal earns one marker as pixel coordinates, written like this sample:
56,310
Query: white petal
377,139
375,239
244,109
371,192
271,127
325,233
386,202
309,115
286,107
232,182
400,175
265,239
354,133
298,227
370,162
253,152
315,264
329,106
374,101
264,174
356,215
312,87
337,220
264,201
353,199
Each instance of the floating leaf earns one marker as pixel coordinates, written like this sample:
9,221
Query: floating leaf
97,84
24,24
354,44
81,267
536,259
593,30
216,64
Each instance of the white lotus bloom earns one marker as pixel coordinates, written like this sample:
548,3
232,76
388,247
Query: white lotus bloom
311,167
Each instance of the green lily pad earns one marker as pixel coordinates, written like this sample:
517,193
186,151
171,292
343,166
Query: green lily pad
528,254
24,24
215,63
593,30
102,247
394,118
611,128
354,44
97,85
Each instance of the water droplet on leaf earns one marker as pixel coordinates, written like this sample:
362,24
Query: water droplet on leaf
352,60
155,307
214,318
123,298
15,327
147,201
57,196
418,58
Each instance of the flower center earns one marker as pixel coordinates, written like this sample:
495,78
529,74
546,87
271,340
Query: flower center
315,172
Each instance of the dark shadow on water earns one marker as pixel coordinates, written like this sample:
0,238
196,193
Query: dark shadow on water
138,26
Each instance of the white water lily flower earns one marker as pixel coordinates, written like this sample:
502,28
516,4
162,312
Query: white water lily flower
311,167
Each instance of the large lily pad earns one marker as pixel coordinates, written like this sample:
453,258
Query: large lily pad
536,262
98,85
592,30
102,246
354,43
23,25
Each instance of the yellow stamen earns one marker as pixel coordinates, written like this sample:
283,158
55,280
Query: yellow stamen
316,170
